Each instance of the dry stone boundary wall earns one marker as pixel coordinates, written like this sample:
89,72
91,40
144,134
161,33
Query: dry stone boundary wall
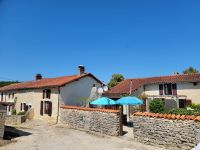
102,121
169,133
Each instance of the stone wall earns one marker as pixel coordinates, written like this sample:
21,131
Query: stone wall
15,119
102,121
2,122
171,134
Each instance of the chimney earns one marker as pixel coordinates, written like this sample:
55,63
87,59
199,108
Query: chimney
81,70
38,76
176,73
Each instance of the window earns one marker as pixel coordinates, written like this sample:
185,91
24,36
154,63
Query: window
182,103
161,89
174,89
9,108
13,95
24,107
9,96
47,94
168,89
5,96
1,96
45,108
41,108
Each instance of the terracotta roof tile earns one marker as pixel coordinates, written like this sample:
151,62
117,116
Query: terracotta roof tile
46,82
178,116
90,109
168,116
124,86
173,116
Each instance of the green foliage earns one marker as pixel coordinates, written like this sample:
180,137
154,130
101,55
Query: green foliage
180,111
183,111
156,106
21,113
190,70
5,83
116,79
14,112
195,106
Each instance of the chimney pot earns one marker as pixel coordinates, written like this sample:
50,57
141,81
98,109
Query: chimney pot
81,70
38,76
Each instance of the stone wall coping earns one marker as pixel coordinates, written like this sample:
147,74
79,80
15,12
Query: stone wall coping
168,116
90,109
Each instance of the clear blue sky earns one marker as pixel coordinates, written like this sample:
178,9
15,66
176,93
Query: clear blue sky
137,38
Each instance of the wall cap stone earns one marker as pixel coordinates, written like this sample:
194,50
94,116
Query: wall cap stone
168,116
90,109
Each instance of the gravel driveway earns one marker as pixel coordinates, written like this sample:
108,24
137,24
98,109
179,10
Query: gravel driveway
44,136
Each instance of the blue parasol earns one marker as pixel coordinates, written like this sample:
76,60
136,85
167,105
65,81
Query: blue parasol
103,101
129,100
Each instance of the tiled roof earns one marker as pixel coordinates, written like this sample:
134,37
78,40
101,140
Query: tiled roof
90,109
46,82
124,86
168,116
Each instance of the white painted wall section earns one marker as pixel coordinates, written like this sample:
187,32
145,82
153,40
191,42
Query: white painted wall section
78,91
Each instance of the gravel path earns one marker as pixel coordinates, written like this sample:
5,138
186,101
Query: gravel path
44,136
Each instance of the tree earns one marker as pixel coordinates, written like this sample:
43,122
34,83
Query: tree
5,83
116,79
190,70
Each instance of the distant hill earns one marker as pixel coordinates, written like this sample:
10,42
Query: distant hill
5,83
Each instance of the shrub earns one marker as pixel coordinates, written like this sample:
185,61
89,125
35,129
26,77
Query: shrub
182,111
14,112
21,113
156,106
195,106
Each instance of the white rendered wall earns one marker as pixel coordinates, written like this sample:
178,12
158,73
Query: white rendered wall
78,92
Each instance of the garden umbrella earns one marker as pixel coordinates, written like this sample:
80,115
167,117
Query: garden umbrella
129,100
103,101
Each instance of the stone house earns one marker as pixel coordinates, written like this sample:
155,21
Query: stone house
177,91
45,95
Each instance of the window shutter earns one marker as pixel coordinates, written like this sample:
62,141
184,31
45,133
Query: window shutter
174,89
48,94
161,89
41,108
43,96
21,107
188,102
50,108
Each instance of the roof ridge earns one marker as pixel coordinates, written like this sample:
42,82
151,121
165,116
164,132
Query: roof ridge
173,75
45,79
47,82
124,86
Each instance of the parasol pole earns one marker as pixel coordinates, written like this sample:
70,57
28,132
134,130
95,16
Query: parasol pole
130,93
